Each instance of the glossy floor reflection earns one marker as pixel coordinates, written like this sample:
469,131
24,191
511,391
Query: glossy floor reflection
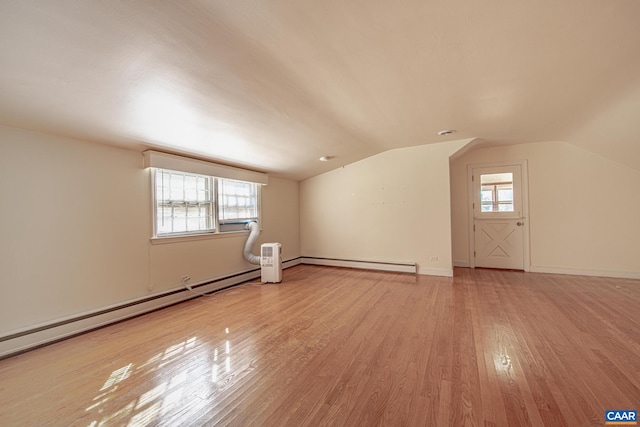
331,346
160,395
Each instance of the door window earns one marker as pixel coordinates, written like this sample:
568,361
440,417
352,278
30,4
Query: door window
496,191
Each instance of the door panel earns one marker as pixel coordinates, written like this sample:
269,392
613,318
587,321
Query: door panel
497,217
499,243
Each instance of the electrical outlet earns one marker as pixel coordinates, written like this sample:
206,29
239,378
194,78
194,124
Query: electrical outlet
434,258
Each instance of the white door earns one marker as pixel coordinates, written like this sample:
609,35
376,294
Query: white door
498,217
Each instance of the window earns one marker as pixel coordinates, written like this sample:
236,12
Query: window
238,203
197,197
189,203
497,192
184,203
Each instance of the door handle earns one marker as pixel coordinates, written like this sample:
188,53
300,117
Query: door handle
519,223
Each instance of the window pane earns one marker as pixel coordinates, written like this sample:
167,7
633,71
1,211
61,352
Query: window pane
176,186
238,201
164,219
487,207
505,195
203,189
190,188
184,203
505,207
497,192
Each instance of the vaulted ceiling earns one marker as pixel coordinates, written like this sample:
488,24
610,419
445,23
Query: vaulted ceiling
274,85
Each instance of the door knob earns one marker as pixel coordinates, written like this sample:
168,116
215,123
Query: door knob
519,223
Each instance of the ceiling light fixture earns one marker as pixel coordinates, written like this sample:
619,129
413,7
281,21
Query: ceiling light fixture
326,158
446,132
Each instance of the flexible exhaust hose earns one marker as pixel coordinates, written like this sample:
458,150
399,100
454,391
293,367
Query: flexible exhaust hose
248,246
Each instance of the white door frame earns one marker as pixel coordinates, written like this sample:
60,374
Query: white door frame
525,207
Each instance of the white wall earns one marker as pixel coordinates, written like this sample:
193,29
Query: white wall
391,207
583,209
75,227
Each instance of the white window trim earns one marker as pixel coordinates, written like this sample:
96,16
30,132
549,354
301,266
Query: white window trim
161,240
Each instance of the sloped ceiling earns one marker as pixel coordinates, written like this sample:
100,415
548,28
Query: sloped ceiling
274,85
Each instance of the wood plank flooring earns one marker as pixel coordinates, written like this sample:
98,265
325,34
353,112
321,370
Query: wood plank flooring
343,347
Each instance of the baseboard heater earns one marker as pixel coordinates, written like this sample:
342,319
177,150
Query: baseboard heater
38,335
401,267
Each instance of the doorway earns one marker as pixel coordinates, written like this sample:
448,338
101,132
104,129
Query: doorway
498,211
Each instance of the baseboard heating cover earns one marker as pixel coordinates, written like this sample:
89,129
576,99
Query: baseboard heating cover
18,341
401,267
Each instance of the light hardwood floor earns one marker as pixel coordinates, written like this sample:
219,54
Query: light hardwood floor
342,347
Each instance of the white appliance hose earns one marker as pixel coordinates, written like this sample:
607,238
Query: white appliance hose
248,245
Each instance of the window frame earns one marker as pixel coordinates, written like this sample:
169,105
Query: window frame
217,230
496,201
234,224
211,201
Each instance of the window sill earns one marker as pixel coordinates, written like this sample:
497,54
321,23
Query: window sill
194,237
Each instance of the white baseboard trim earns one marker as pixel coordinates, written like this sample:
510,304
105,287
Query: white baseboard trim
585,272
400,267
461,264
18,341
